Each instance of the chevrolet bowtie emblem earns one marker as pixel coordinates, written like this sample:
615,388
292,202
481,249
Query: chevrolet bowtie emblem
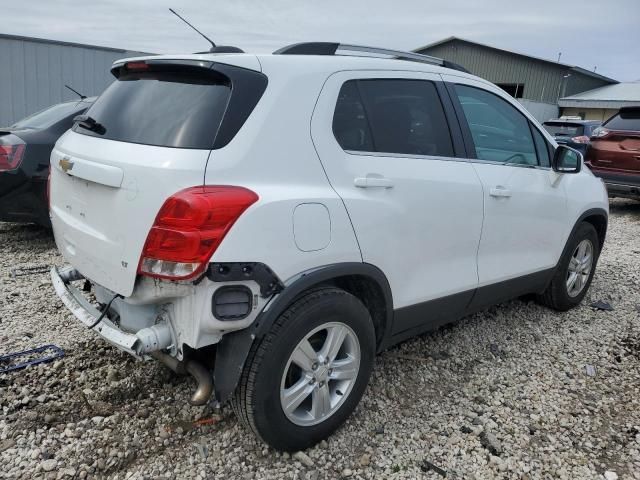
66,164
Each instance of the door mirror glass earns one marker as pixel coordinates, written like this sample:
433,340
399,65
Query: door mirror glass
566,160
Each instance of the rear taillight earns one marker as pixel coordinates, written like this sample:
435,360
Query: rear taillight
11,153
189,228
580,139
600,132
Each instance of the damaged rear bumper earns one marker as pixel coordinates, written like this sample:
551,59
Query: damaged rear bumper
87,313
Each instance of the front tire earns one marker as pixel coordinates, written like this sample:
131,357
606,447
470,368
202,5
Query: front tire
575,270
305,377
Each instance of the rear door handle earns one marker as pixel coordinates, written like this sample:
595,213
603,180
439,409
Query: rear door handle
500,192
372,182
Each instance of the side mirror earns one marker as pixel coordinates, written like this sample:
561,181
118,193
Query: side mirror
566,160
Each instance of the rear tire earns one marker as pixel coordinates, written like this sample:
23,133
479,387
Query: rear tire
326,319
574,273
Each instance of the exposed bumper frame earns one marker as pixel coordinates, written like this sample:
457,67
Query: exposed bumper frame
87,313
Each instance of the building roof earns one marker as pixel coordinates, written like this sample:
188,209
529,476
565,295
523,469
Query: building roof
610,96
571,67
4,36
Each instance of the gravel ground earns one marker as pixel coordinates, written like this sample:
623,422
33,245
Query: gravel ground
518,391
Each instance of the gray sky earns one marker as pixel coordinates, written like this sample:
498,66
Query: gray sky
589,33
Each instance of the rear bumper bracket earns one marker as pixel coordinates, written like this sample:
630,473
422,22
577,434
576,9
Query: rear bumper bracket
87,313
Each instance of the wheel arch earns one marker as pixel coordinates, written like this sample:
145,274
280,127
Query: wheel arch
598,217
365,281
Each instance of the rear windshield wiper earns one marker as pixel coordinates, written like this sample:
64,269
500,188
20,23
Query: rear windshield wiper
89,123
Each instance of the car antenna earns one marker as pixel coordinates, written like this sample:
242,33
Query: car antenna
214,48
82,97
213,45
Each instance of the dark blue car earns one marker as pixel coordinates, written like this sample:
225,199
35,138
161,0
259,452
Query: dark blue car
574,133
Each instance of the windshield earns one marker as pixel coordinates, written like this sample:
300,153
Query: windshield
564,129
170,109
47,117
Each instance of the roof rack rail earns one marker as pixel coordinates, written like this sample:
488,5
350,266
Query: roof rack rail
333,48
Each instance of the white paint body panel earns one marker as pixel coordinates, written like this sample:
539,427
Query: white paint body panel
423,233
526,231
311,226
100,229
273,155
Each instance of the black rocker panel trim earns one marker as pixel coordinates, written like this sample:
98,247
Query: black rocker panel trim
423,317
489,295
431,314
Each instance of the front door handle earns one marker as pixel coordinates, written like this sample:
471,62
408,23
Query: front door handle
500,192
372,182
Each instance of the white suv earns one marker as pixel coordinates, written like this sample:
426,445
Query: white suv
267,223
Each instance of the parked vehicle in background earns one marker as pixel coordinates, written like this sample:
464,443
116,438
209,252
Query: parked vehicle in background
25,149
268,223
572,132
614,153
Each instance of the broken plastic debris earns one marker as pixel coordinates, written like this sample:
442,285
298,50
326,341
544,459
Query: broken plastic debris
602,305
428,466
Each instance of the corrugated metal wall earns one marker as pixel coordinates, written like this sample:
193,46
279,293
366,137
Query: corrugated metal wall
33,74
543,81
581,83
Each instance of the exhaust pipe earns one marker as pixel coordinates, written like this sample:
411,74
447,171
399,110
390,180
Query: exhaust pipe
196,370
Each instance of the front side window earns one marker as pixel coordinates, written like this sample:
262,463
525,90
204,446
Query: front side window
542,147
392,116
500,132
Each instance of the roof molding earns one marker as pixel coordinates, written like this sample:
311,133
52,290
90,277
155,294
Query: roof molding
546,60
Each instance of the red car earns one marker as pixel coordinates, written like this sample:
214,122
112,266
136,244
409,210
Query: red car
614,153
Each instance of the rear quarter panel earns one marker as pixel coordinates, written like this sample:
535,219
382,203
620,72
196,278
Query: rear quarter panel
274,156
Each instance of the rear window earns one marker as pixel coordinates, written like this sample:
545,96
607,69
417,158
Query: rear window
169,109
624,120
564,129
51,115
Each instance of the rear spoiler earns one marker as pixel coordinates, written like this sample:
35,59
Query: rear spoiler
118,67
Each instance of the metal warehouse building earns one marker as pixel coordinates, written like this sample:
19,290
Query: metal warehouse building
537,83
33,73
602,103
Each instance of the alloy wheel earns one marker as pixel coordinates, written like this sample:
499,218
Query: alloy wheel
320,374
580,266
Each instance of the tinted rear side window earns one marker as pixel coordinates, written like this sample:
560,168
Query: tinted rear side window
162,108
629,120
350,123
392,116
